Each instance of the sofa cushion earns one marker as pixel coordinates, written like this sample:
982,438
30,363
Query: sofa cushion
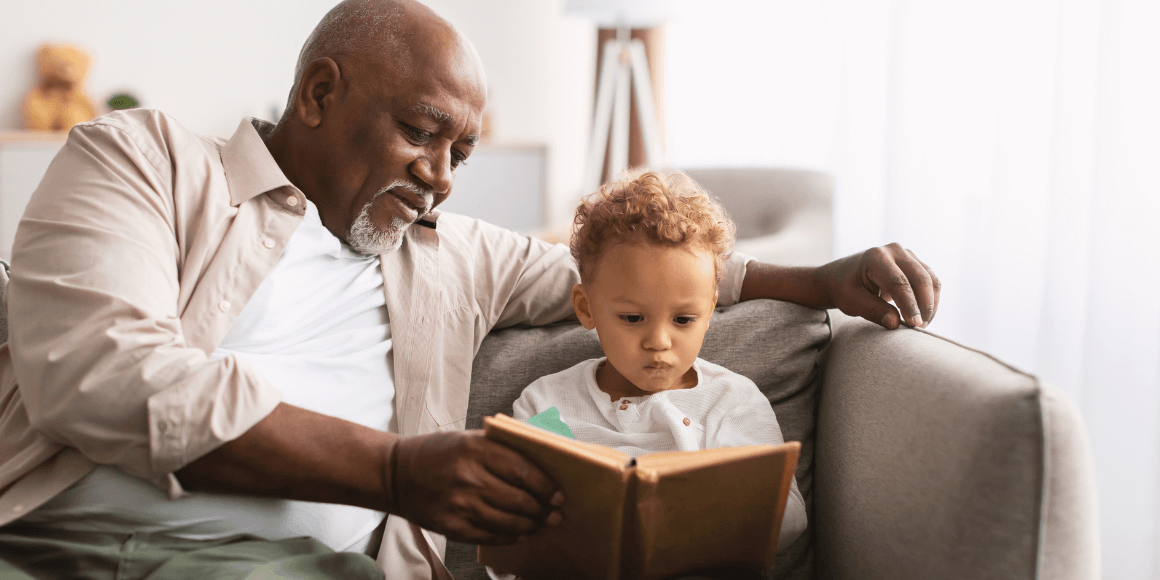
775,344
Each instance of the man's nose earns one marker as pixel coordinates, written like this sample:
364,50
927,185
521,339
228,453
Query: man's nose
434,170
657,338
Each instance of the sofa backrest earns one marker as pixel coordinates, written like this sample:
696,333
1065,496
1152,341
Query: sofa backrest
938,461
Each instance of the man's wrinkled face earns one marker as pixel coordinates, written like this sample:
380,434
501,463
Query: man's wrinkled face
406,136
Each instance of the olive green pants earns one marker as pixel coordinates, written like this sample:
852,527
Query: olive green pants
31,553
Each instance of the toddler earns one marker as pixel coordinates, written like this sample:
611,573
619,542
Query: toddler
651,248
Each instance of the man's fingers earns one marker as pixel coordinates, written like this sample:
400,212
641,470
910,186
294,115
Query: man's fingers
921,285
513,468
873,308
892,280
503,522
507,498
936,287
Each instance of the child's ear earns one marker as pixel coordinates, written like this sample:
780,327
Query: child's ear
716,299
583,308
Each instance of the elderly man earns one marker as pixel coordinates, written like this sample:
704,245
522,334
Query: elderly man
232,358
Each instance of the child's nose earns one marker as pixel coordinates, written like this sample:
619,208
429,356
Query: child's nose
657,339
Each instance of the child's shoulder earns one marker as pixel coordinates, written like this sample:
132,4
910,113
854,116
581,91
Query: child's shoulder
717,374
568,378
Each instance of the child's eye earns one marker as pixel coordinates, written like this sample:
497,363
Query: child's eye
683,320
631,318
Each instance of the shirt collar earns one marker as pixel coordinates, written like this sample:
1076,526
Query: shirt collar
250,169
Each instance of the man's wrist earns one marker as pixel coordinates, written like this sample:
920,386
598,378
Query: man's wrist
390,474
805,285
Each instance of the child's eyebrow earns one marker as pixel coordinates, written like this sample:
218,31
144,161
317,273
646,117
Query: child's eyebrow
629,301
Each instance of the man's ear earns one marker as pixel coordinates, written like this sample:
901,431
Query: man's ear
317,91
582,306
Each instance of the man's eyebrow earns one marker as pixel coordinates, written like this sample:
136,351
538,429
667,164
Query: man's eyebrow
440,116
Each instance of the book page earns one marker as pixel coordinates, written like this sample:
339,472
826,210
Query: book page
594,479
675,461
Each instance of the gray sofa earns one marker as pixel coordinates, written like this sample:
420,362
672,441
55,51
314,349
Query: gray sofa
920,458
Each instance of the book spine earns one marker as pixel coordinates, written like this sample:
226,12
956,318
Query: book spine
640,514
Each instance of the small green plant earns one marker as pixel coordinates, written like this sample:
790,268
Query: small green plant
122,101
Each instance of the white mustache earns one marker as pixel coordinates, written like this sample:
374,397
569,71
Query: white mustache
427,195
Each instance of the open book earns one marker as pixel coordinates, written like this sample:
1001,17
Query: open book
649,517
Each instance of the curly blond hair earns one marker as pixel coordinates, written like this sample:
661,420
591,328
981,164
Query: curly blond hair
666,208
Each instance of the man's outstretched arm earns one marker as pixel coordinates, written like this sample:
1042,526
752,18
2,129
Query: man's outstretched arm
861,284
455,483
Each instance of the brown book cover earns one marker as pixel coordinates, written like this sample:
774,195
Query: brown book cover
649,517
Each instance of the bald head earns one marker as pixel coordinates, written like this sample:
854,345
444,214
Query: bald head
387,102
391,37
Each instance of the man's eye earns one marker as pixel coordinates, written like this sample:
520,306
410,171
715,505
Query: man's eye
457,160
631,318
418,135
683,320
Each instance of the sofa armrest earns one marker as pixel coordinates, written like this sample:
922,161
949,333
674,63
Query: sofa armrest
937,461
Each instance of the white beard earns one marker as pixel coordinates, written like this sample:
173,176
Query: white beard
365,237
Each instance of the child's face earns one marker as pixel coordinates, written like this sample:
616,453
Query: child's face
650,305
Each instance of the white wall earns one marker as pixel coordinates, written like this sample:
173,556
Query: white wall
208,63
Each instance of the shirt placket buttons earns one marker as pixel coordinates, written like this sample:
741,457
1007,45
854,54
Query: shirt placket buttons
292,201
686,421
268,243
624,405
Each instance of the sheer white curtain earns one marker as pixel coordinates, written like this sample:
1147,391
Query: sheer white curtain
1013,144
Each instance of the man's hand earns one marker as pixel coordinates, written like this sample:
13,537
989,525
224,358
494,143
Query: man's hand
471,489
864,284
859,285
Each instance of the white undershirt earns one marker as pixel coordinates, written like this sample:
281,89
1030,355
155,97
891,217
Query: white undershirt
316,328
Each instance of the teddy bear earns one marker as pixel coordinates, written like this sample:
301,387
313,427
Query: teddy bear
58,101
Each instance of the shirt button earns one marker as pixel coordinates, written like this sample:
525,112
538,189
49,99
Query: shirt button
291,201
625,401
268,242
686,421
224,305
18,508
623,407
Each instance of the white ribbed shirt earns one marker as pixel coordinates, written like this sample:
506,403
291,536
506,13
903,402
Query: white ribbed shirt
724,409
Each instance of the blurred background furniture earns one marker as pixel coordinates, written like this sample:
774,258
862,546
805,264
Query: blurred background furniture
504,184
784,216
24,156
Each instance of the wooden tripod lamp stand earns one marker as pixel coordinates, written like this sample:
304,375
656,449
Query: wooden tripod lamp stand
624,74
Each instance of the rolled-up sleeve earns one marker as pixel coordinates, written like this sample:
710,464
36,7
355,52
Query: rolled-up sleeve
95,333
729,288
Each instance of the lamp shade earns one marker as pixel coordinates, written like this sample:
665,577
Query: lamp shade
630,13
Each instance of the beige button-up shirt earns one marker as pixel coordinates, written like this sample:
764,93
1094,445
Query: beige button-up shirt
135,255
